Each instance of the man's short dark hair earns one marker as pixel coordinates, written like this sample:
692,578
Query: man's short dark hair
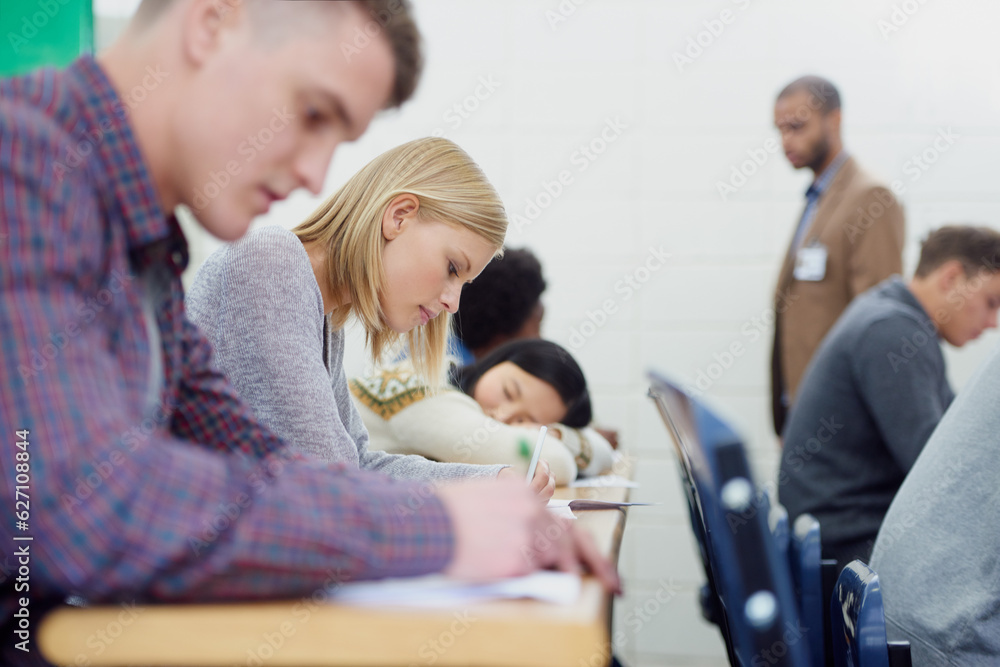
977,248
825,94
501,299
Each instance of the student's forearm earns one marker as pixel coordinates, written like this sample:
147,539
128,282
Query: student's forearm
177,523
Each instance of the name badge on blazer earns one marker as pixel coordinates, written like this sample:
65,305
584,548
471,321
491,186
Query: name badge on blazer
810,262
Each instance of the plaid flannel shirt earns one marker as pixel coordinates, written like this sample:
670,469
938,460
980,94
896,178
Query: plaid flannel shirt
183,497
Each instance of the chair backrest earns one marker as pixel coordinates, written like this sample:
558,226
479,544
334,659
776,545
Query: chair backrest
748,577
857,621
805,561
777,520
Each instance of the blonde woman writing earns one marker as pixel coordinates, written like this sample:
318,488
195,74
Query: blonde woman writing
392,248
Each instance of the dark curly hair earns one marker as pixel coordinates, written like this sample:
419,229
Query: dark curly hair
500,300
545,360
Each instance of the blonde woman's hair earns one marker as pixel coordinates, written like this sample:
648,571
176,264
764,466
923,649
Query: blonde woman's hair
450,187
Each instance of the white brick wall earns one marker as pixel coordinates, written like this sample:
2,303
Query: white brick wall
656,185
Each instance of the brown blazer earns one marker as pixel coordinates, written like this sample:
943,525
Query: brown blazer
861,224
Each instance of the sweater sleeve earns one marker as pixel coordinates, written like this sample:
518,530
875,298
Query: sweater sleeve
258,302
898,376
450,426
398,466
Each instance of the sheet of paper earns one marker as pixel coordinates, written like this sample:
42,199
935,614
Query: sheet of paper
601,481
435,591
560,508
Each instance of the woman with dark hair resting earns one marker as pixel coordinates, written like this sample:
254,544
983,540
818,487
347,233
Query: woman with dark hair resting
490,413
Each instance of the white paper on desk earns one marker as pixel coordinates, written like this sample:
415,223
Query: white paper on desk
601,481
560,508
440,591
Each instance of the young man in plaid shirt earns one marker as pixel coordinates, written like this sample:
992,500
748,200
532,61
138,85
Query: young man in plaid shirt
149,477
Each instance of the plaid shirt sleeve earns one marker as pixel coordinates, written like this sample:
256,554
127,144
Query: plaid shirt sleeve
211,412
118,510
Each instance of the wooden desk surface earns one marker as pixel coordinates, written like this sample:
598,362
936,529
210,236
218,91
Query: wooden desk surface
301,633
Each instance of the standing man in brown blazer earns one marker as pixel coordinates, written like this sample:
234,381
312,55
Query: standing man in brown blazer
849,237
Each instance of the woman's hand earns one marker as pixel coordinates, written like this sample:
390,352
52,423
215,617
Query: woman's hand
543,484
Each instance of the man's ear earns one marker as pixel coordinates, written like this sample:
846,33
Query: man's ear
833,121
950,274
399,214
204,24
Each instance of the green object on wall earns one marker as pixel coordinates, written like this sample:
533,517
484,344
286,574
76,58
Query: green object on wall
34,33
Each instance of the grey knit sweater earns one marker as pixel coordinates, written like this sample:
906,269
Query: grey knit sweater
258,302
938,552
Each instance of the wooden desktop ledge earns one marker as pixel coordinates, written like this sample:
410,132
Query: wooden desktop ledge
512,632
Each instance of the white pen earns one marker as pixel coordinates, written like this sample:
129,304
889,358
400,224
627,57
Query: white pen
538,451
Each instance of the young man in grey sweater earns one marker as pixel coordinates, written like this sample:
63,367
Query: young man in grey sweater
877,388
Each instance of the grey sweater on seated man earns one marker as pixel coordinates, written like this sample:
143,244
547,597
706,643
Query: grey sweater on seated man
871,397
258,302
938,553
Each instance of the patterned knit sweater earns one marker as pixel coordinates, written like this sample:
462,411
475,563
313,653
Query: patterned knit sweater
402,416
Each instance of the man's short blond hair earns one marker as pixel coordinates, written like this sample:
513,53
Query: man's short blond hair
393,19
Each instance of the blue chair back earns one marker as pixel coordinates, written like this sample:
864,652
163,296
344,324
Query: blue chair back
858,622
805,560
748,586
777,520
